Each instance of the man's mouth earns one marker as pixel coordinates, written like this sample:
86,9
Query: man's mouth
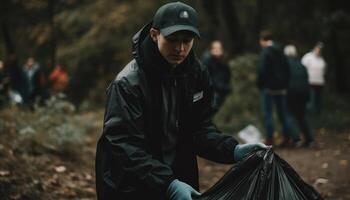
177,57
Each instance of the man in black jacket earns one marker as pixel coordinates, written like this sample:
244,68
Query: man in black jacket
157,117
272,81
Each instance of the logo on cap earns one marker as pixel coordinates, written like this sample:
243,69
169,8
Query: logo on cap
184,14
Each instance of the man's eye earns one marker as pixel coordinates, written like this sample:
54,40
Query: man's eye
183,40
187,40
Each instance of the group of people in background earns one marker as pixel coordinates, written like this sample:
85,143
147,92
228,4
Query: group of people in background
291,85
29,85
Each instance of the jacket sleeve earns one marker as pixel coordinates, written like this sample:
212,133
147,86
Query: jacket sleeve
210,143
125,135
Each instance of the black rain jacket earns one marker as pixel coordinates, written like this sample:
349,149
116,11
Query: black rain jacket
157,120
272,69
299,90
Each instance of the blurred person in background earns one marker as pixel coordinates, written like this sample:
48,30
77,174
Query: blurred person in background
158,116
272,81
35,80
58,79
298,94
219,72
316,68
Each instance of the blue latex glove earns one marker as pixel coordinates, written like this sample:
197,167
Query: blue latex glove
178,190
242,149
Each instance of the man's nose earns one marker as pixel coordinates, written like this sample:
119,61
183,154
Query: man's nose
179,46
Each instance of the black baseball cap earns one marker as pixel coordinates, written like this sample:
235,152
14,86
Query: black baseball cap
176,16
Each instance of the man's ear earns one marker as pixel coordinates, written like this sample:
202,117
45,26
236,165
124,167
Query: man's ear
154,33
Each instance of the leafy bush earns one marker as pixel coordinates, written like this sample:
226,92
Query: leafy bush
53,129
242,106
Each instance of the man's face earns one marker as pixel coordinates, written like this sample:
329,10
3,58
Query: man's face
262,43
30,62
175,47
317,51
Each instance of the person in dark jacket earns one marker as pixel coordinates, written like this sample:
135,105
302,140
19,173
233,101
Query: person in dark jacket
157,117
35,82
272,81
219,72
298,93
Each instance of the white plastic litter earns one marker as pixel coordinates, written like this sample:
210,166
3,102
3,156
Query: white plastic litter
15,97
250,134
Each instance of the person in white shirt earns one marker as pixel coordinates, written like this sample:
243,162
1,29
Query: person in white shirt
316,68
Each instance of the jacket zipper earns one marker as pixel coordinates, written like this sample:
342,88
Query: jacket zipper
177,107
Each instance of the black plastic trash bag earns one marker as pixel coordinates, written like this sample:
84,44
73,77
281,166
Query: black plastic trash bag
262,175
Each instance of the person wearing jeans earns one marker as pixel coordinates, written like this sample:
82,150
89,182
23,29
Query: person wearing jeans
277,99
272,81
316,68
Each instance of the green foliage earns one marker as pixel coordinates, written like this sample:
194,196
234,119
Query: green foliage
242,106
96,42
54,129
335,114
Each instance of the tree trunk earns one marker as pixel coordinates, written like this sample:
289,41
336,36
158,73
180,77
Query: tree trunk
211,9
338,23
257,26
53,40
9,44
233,24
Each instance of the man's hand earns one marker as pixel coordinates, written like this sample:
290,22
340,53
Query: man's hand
242,149
178,190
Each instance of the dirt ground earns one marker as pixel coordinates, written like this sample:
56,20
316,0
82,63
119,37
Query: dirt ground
31,170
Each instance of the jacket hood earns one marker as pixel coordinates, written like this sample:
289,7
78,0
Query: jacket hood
137,40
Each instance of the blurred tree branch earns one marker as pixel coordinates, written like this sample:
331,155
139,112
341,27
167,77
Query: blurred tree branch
233,24
9,43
